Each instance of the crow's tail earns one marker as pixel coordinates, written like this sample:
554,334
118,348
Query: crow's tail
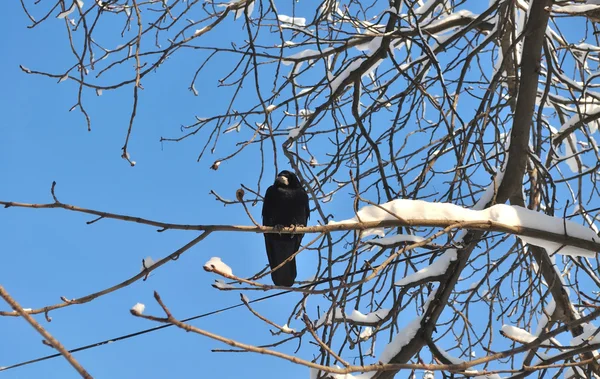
280,248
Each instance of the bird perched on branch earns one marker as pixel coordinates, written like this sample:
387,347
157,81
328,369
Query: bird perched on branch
285,204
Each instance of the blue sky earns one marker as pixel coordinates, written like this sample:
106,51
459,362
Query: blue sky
53,253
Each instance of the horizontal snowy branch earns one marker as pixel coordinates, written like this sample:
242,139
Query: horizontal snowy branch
525,223
555,235
578,9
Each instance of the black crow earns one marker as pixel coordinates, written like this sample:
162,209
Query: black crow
285,204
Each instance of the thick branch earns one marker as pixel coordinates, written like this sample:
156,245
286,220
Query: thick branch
535,31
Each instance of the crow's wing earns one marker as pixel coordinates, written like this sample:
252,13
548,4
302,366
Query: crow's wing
269,207
279,247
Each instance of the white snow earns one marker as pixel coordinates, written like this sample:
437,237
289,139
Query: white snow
392,240
219,284
305,91
305,55
138,308
271,108
437,268
240,12
305,113
453,17
372,317
570,373
492,189
314,374
585,110
576,9
453,360
235,127
67,12
215,263
250,8
569,153
293,133
299,21
487,376
425,7
371,45
356,316
286,44
366,333
287,329
335,83
331,314
518,334
548,310
441,39
588,332
403,209
147,263
405,335
200,31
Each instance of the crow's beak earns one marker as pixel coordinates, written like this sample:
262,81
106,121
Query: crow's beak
283,180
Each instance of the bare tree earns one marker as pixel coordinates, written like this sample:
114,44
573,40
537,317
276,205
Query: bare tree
448,101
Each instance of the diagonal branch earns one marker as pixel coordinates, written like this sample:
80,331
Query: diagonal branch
47,336
386,369
133,279
511,186
535,31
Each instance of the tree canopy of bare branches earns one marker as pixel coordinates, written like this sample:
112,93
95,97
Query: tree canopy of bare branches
382,109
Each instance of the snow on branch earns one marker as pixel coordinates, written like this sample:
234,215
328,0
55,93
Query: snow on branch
436,269
298,21
356,317
576,9
517,334
531,226
405,335
508,215
587,114
215,264
396,239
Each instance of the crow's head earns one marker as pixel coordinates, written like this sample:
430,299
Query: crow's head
287,179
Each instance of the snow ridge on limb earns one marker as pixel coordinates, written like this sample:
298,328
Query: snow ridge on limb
517,334
509,215
216,264
407,334
356,317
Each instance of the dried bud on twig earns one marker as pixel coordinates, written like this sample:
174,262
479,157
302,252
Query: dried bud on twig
215,166
239,194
